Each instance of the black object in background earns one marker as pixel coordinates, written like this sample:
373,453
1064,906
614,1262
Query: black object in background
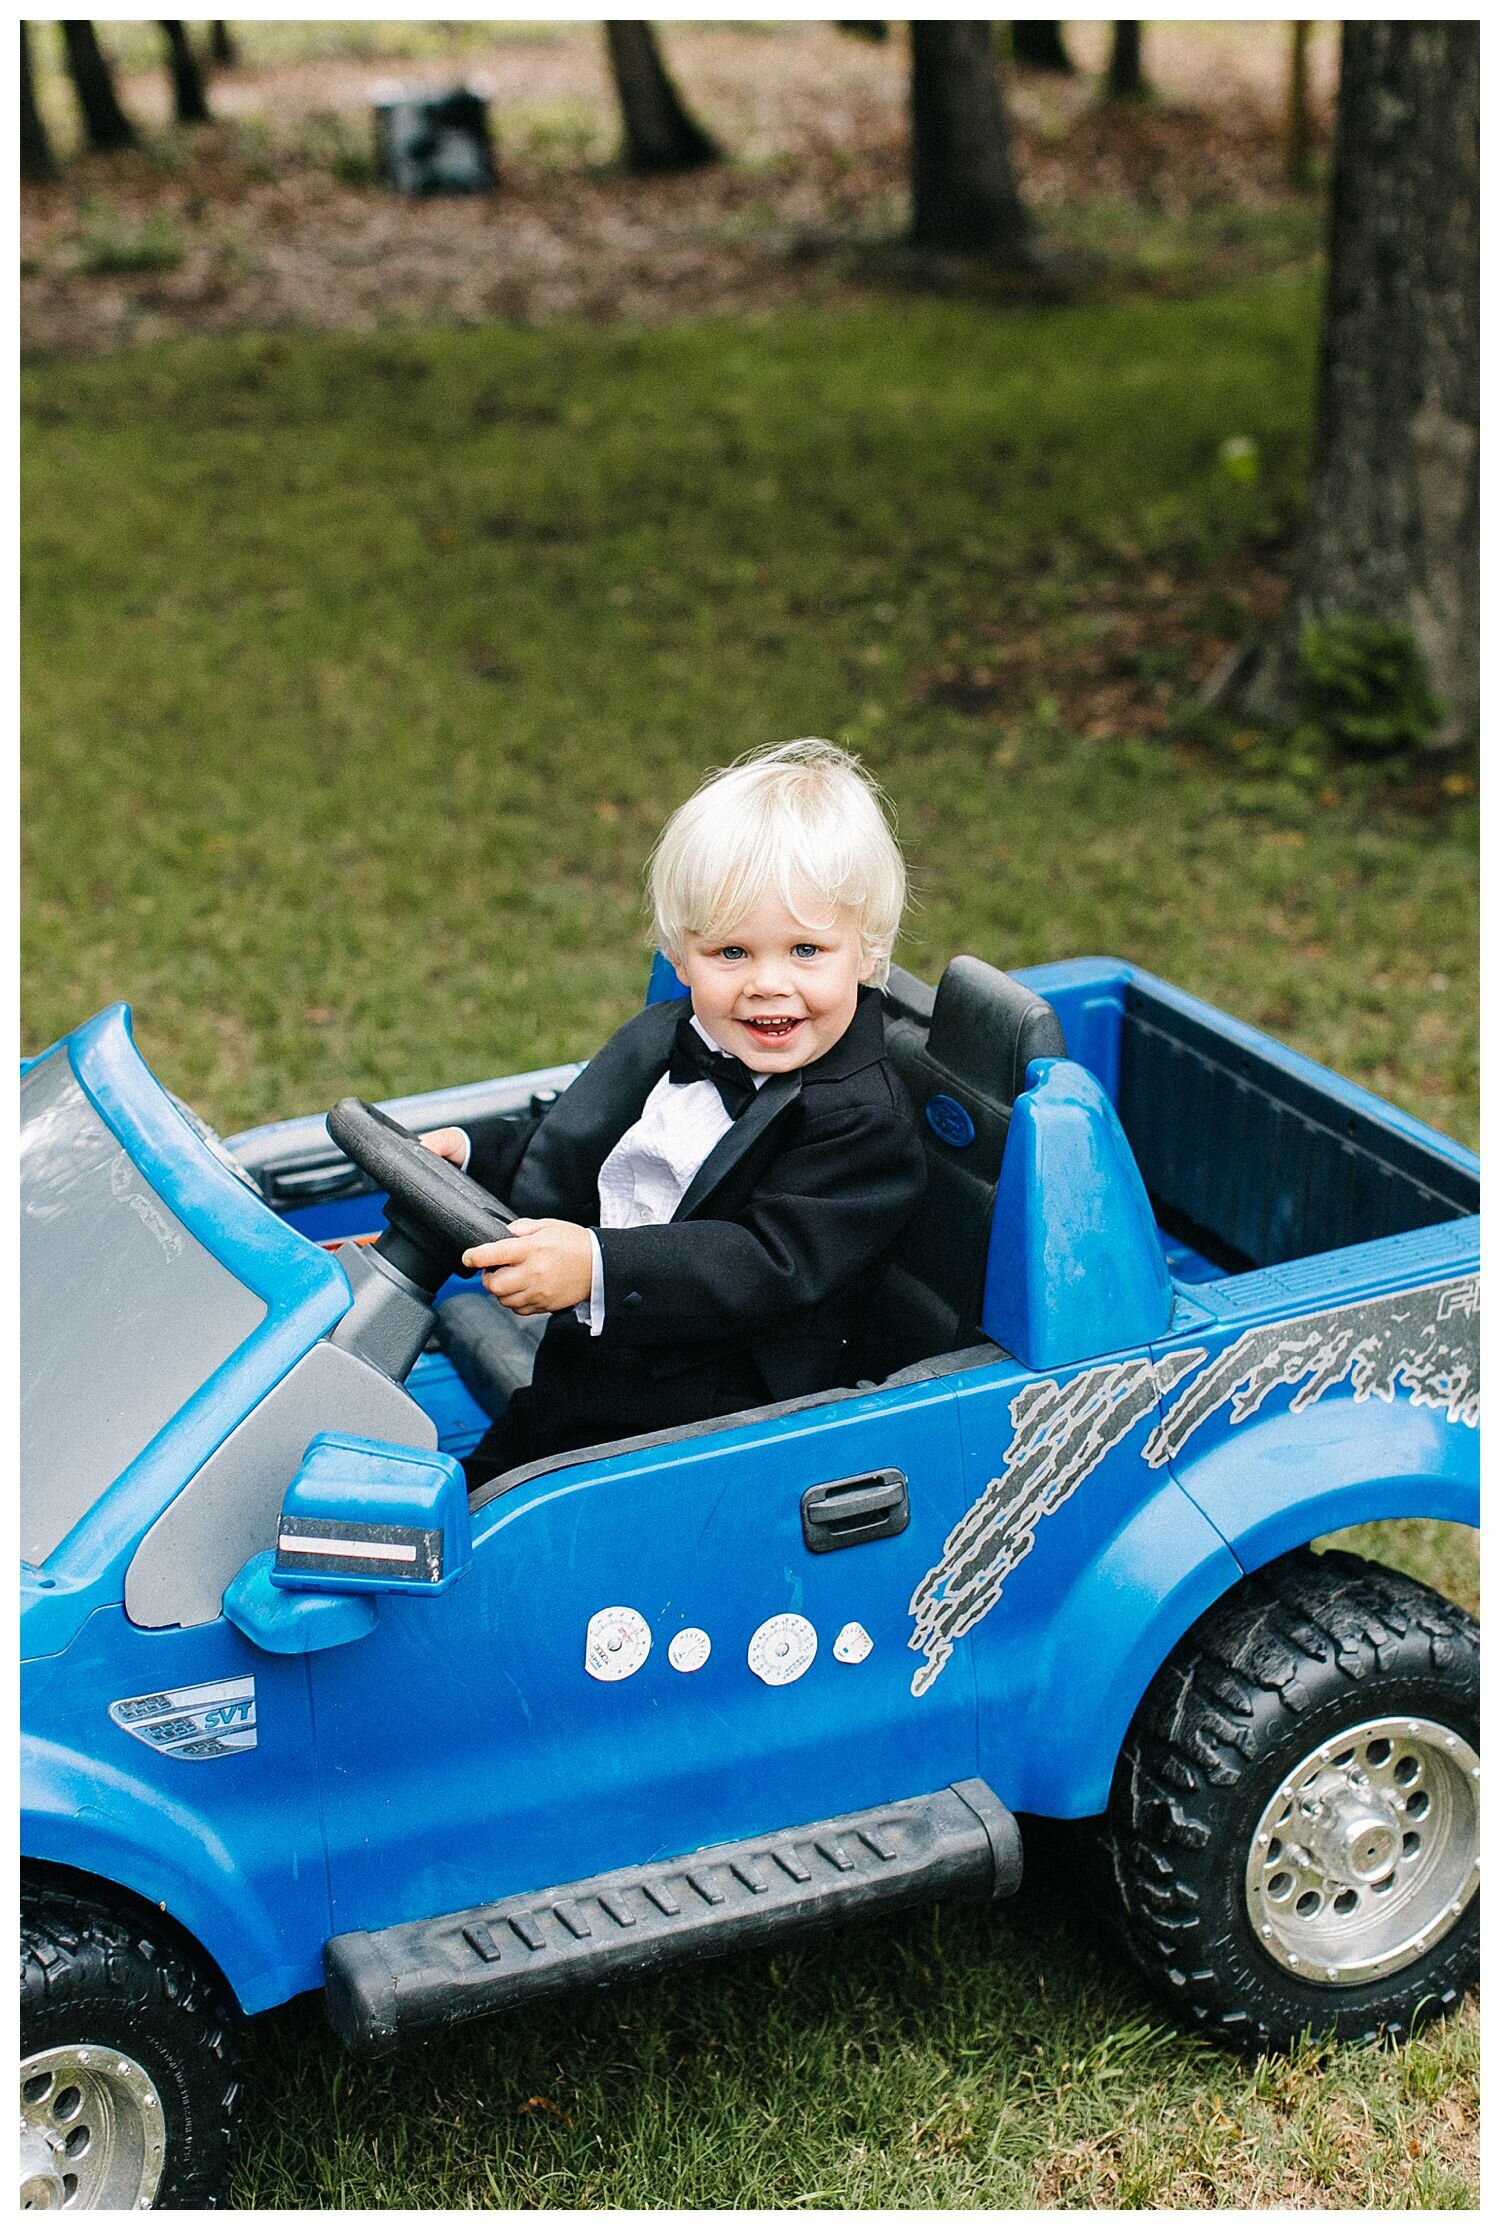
435,143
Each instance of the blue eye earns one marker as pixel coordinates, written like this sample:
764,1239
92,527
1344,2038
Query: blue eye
731,952
805,952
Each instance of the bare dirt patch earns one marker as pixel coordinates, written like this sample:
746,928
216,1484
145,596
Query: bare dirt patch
1131,646
269,218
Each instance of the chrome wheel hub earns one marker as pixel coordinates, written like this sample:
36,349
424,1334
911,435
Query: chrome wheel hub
1368,1852
92,2129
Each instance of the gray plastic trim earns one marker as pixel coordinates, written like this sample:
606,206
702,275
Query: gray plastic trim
227,1512
389,1320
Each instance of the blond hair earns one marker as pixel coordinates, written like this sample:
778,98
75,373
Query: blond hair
801,819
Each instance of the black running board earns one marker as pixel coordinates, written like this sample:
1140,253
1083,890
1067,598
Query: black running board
427,1974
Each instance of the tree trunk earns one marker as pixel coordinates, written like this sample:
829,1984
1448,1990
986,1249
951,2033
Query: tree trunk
1392,525
659,133
37,158
105,123
189,99
963,183
1298,145
1039,46
221,49
1125,81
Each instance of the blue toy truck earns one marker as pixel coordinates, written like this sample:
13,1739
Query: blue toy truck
299,1715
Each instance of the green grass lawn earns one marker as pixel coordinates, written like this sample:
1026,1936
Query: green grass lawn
960,2056
359,675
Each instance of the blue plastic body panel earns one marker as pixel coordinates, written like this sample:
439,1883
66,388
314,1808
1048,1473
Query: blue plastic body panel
1158,1428
231,1845
1334,1392
288,1622
1075,1266
1070,1576
496,1762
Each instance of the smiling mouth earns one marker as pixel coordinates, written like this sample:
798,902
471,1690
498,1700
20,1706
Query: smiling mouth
773,1027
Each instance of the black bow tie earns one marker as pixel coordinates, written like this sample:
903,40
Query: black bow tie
693,1062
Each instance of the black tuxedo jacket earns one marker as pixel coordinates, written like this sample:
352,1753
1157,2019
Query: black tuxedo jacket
774,1248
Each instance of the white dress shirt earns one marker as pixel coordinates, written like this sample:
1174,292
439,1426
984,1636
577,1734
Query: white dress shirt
645,1174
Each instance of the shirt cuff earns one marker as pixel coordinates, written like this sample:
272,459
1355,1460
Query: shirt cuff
468,1148
591,1311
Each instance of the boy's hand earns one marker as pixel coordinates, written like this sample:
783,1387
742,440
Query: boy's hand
543,1266
449,1143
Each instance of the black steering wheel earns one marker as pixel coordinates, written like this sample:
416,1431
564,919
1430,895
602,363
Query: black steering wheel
433,1211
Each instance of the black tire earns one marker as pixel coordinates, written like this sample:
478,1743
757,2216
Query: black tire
98,1981
1307,1649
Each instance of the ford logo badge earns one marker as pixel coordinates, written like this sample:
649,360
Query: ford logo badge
953,1124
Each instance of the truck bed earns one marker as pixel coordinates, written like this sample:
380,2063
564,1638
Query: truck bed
1252,1154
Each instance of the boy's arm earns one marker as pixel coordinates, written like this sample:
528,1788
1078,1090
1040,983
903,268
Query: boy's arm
827,1209
548,1164
498,1158
495,1158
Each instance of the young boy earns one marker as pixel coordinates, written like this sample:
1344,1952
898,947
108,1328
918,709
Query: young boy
703,1212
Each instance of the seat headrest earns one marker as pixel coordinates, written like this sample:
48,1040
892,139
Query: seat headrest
986,1028
962,1053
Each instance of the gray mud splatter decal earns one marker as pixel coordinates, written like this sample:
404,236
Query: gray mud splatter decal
1424,1343
1060,1434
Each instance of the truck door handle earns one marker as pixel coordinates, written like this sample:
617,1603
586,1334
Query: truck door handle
844,1512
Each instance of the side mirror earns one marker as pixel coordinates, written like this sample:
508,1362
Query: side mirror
361,1518
366,1517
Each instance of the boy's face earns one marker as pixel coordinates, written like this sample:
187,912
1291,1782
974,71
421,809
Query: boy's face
773,990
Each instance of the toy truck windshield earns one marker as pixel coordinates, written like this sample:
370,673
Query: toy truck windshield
127,1313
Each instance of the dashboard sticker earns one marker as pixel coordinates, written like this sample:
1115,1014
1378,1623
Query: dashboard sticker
688,1651
852,1644
782,1648
617,1644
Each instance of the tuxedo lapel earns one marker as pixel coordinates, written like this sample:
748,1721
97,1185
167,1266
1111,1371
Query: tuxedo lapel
862,1043
595,1113
559,1172
769,1101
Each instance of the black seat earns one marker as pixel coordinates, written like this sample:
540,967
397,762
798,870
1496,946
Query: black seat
961,1051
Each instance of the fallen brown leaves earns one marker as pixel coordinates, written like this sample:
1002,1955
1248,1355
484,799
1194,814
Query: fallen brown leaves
1123,657
1325,2154
268,233
549,2106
